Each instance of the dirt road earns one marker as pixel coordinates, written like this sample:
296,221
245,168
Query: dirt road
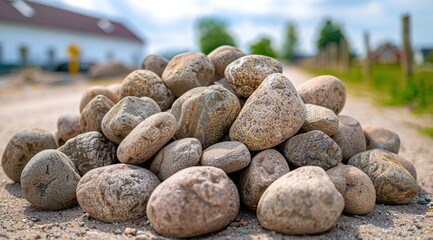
39,106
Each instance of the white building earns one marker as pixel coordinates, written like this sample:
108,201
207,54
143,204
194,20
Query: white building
33,33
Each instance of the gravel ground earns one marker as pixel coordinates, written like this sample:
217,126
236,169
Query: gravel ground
39,106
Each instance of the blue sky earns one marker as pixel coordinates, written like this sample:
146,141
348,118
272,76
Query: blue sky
168,25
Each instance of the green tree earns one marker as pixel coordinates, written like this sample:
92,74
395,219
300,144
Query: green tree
290,44
212,34
263,46
330,32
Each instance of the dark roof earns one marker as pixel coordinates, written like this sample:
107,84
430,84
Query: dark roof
386,46
49,16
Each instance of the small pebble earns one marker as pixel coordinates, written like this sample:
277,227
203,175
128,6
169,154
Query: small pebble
412,228
422,202
130,231
118,231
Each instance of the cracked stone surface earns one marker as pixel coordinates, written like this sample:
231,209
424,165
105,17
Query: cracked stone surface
193,202
116,193
303,201
393,183
90,150
313,148
49,181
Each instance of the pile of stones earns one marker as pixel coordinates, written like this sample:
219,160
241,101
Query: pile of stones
186,142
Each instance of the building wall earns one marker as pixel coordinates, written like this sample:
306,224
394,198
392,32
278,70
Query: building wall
49,45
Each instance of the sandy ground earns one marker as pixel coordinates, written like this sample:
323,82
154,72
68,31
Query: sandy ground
39,106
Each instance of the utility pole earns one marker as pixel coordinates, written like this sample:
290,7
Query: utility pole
406,60
367,60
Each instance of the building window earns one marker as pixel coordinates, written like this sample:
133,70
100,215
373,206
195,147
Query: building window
23,53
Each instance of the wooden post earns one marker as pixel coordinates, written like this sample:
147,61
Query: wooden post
367,59
344,62
406,58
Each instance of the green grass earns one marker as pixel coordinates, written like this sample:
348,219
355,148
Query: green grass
387,87
428,132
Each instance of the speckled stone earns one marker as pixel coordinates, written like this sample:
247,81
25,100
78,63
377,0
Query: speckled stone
247,73
147,138
393,183
326,91
349,137
266,167
49,181
378,137
126,115
90,150
94,112
116,193
205,113
320,118
313,148
94,91
22,147
154,63
145,83
303,201
187,71
230,156
356,188
176,156
68,126
221,57
193,202
271,115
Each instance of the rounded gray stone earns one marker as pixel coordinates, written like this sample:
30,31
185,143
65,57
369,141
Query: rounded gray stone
187,71
313,148
94,112
222,56
378,137
246,73
326,91
94,91
147,138
22,147
116,193
145,83
193,202
176,156
349,137
320,118
154,63
90,150
126,115
205,113
49,181
303,201
266,167
271,115
393,183
356,188
230,156
68,126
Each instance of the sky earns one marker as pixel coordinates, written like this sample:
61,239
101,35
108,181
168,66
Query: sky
169,25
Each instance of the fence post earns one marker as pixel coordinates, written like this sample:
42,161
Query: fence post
367,59
406,58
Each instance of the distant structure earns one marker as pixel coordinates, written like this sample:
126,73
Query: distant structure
386,53
37,34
